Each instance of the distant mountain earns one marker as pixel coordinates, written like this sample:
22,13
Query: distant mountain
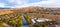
4,8
30,9
34,8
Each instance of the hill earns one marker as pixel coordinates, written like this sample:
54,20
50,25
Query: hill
35,11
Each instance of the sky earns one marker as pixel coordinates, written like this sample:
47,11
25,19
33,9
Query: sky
24,3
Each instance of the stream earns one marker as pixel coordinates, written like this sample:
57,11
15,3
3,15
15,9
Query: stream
25,22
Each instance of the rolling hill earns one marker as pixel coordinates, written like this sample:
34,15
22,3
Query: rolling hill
35,11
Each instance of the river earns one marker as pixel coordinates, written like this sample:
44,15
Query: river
25,22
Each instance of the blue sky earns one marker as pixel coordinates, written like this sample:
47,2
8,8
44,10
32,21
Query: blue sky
23,3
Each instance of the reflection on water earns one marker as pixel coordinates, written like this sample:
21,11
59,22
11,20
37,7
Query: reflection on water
25,23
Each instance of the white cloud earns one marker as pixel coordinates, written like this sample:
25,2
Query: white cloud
2,5
44,3
11,1
48,3
18,2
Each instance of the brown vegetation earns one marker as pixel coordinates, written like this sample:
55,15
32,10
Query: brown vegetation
35,11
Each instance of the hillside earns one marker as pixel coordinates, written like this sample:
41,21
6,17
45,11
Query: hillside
13,17
35,11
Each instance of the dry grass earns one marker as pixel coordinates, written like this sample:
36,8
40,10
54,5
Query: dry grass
31,9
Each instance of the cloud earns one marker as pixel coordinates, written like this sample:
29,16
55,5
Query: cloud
12,3
2,5
18,2
43,3
24,3
50,3
47,3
